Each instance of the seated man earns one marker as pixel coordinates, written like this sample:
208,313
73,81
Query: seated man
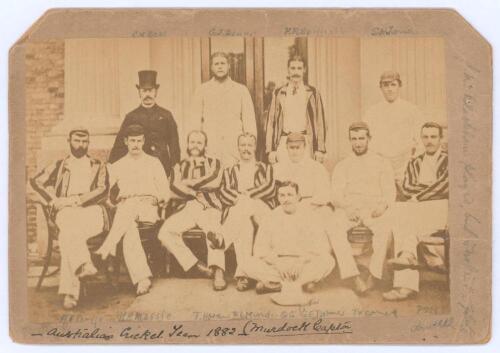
196,182
290,245
143,186
425,184
247,194
75,188
314,184
363,192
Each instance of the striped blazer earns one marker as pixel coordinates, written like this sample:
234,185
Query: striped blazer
315,114
437,191
205,173
53,182
264,186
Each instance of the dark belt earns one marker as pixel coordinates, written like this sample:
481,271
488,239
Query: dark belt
303,132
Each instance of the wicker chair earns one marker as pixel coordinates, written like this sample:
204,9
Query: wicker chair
93,244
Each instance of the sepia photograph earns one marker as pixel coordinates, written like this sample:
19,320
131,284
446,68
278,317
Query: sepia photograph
271,171
240,178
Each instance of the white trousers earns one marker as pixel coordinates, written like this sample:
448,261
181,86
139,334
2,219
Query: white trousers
124,225
238,228
314,271
192,215
381,228
415,220
339,244
76,225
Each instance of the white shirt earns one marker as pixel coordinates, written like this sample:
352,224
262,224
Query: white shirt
395,130
300,233
310,175
294,110
428,169
363,181
80,175
223,111
246,176
140,176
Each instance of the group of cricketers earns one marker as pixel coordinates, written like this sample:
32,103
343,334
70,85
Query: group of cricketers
286,217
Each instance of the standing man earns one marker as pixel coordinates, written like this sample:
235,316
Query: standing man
75,189
363,192
196,182
394,125
223,109
143,187
247,195
290,246
312,178
296,107
160,129
426,186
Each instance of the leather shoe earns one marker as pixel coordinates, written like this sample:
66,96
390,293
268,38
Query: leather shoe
70,302
359,286
398,294
309,287
404,261
244,283
203,270
267,287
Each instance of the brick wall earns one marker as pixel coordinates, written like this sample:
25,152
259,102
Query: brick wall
44,103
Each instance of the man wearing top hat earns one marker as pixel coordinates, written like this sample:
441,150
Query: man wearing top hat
394,124
75,189
160,128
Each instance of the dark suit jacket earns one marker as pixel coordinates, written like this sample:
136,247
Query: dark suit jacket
162,139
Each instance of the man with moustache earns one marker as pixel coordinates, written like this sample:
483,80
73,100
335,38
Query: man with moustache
160,128
290,246
296,107
314,185
426,185
363,193
75,189
394,124
143,187
223,109
195,183
247,195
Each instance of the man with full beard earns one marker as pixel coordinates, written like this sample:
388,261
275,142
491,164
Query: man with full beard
364,193
223,109
75,189
195,183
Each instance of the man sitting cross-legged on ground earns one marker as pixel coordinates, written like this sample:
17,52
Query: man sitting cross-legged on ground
247,194
363,192
290,244
75,188
143,187
425,183
312,178
196,182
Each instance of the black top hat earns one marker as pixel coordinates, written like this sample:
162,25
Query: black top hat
147,79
